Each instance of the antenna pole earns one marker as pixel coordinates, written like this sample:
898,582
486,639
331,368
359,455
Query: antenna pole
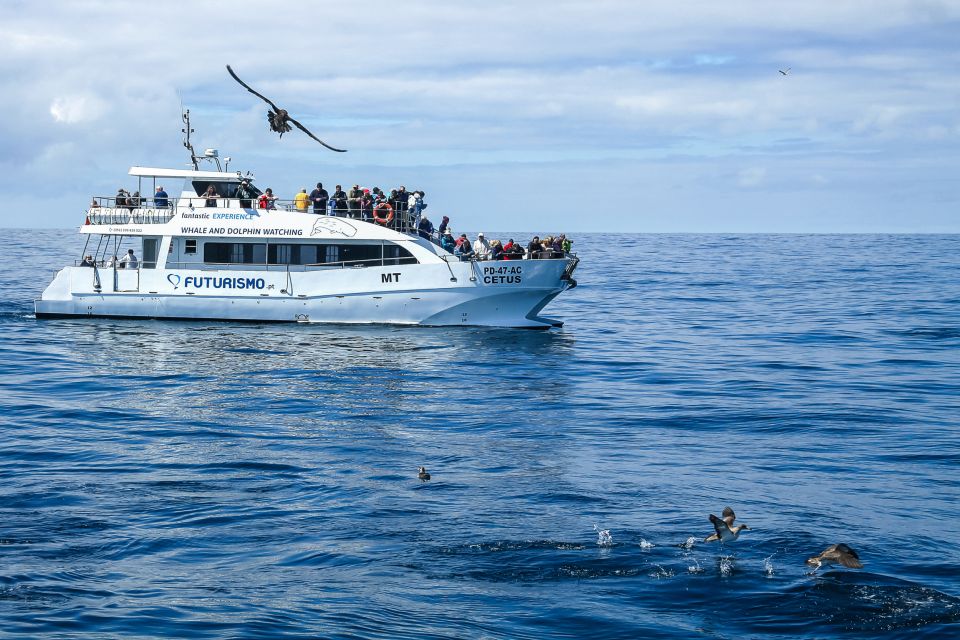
186,139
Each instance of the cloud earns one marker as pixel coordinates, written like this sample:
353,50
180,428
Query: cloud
468,86
77,108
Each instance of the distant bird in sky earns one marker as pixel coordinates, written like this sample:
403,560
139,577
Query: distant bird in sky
784,71
836,554
278,118
423,474
726,530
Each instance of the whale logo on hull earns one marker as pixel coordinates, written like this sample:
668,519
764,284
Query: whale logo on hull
174,279
335,226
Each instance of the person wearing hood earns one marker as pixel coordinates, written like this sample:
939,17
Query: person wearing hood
425,228
481,247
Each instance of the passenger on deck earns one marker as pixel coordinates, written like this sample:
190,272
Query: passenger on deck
481,247
425,228
340,202
113,262
301,201
444,223
353,201
211,197
245,193
567,242
516,251
416,206
366,206
402,197
533,249
447,242
160,199
496,250
557,245
130,261
87,262
267,200
94,204
120,200
319,197
463,249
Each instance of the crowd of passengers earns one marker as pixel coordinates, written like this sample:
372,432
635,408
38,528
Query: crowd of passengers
400,209
483,249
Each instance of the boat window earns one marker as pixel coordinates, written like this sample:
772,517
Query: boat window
190,246
234,253
305,254
151,247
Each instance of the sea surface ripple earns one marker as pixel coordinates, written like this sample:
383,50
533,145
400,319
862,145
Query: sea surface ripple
216,480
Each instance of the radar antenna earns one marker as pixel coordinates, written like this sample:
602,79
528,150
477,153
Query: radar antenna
186,139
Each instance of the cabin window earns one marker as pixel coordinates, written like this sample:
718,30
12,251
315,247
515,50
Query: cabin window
234,253
304,254
151,247
190,247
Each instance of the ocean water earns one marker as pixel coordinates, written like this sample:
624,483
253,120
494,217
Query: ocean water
214,480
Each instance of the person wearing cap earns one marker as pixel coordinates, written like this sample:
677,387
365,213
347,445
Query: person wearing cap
246,194
447,242
353,201
160,198
319,197
481,247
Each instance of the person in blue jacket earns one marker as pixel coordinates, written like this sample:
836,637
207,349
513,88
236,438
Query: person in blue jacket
160,198
425,228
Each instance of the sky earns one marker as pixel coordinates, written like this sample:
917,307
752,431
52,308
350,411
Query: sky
599,115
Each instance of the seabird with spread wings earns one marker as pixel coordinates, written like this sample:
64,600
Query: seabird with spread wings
726,531
279,119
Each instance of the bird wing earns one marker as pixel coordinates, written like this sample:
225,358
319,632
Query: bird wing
307,131
721,526
729,516
247,87
847,557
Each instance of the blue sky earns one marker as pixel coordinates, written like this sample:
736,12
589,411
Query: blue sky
605,115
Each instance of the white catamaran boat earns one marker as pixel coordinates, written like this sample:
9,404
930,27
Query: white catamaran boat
237,261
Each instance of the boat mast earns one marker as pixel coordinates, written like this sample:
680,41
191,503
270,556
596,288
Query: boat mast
186,139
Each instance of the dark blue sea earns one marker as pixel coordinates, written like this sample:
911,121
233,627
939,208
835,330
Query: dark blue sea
215,480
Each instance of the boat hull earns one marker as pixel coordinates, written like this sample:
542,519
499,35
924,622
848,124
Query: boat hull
501,294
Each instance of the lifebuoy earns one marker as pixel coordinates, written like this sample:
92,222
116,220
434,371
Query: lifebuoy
383,206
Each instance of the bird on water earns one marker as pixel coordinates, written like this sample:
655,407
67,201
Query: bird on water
726,530
422,473
836,554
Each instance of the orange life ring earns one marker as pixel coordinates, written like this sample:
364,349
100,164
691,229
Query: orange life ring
383,206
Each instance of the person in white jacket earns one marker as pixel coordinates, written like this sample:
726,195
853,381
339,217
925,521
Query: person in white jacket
481,247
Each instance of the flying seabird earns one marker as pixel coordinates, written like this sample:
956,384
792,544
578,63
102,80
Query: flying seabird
783,71
278,118
836,554
423,474
726,530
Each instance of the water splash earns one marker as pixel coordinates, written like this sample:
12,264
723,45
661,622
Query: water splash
659,573
604,538
768,566
695,567
646,545
725,565
688,543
